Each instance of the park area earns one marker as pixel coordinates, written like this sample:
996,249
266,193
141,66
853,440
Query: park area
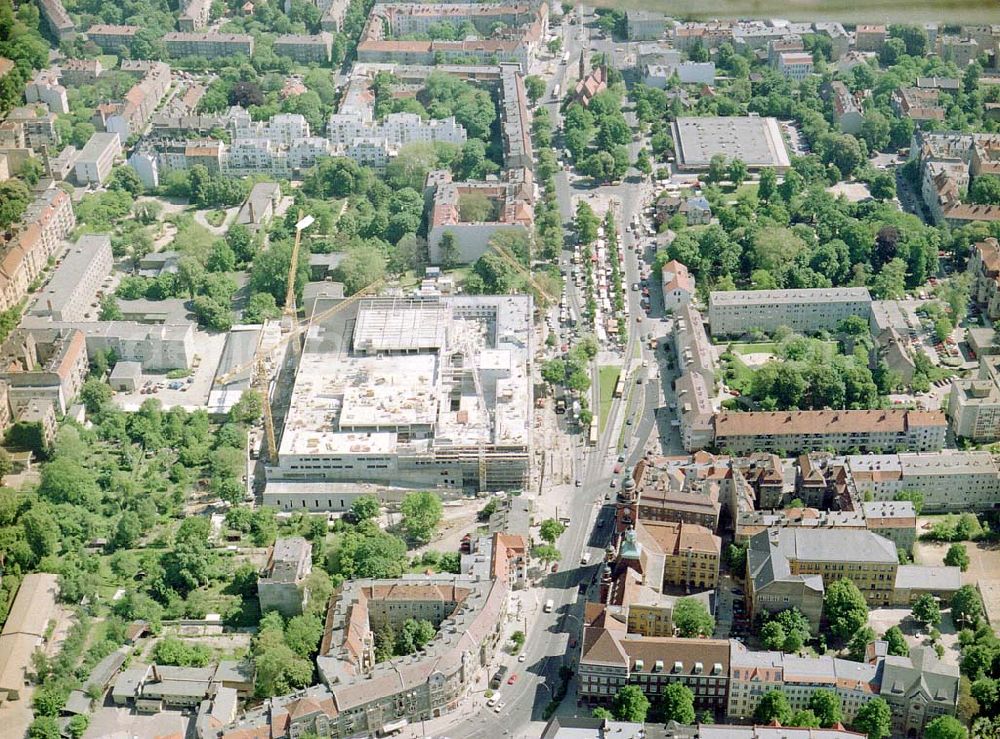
607,379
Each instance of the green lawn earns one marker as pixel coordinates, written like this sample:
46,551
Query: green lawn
607,378
736,374
764,347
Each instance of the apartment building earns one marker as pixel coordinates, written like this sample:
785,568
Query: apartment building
80,71
948,481
131,115
112,39
180,43
695,411
917,103
678,285
686,554
58,19
306,48
794,65
644,25
790,567
157,347
281,585
45,364
692,348
735,312
513,212
842,431
611,659
946,161
869,37
895,520
333,11
961,51
38,124
749,523
984,267
974,409
848,113
45,88
72,289
96,159
664,491
194,15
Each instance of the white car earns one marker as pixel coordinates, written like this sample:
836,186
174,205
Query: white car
522,657
499,707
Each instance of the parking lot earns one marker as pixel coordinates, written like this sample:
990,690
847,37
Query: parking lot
191,392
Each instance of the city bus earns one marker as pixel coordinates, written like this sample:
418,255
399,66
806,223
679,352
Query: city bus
593,432
619,387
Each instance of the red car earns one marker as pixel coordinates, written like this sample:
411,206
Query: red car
617,469
512,679
555,567
572,642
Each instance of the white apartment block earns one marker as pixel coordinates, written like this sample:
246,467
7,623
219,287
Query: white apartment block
45,88
949,481
97,158
375,143
795,65
736,312
974,409
69,295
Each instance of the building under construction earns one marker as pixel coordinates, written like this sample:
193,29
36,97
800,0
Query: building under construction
414,392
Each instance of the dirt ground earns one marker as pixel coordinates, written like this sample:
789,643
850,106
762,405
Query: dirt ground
882,619
984,568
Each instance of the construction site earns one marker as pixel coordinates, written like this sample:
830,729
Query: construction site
431,392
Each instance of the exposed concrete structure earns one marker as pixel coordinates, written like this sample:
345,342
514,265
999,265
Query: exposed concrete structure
428,391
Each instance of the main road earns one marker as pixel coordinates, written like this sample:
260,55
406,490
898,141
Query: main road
589,529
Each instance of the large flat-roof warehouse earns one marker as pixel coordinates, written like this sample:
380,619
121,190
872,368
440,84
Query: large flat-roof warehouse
757,141
414,392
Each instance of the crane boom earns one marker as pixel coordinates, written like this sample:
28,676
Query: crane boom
521,270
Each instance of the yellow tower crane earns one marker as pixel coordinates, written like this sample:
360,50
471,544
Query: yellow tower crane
521,270
260,365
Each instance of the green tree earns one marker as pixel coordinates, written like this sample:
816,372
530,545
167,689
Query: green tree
737,172
363,265
945,727
957,556
630,704
534,86
550,530
859,642
845,608
826,705
773,706
874,719
805,718
926,610
421,514
896,641
546,553
600,712
985,190
716,169
692,619
677,704
44,727
966,606
303,633
768,185
365,508
772,635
